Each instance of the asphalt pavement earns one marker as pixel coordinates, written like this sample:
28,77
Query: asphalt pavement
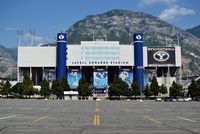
98,117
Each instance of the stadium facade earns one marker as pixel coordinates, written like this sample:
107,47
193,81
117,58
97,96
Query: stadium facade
99,62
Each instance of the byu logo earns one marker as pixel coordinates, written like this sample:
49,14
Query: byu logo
161,56
101,75
139,37
61,37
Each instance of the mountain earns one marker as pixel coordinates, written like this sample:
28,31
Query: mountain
195,31
8,61
119,25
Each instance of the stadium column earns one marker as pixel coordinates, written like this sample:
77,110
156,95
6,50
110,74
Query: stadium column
61,56
138,58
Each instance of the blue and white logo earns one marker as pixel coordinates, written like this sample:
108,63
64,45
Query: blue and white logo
101,75
61,37
161,56
100,80
138,37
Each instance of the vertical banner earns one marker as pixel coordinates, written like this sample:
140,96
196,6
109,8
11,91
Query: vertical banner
61,56
73,77
138,56
146,79
126,75
100,79
148,75
49,74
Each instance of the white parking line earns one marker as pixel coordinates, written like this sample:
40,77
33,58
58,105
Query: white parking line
168,110
25,108
186,119
148,110
46,109
7,117
6,108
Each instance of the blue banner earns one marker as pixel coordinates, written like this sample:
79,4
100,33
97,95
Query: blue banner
148,75
73,77
146,79
100,80
126,75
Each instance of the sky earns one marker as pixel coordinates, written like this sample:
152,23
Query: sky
45,18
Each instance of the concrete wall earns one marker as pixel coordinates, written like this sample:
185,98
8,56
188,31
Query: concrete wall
36,57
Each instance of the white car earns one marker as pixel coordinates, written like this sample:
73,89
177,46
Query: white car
158,99
173,100
139,100
98,99
187,99
180,99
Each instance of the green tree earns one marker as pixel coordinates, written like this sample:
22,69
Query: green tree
119,87
1,87
176,90
27,86
113,90
57,88
197,92
123,86
163,89
65,85
6,88
45,90
147,92
194,89
154,87
84,89
135,89
17,89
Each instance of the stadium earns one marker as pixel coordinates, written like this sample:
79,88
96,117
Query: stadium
99,62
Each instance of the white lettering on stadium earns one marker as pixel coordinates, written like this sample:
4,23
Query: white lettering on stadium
100,62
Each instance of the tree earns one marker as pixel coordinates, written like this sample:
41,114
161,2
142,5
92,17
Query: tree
17,89
191,88
45,90
119,87
194,89
175,90
6,88
27,86
163,89
57,88
135,89
83,88
65,84
123,86
147,92
154,87
113,91
1,87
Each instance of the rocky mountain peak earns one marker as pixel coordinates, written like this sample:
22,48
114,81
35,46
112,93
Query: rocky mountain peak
119,25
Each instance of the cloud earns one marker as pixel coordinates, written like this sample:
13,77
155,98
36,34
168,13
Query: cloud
174,11
152,2
10,29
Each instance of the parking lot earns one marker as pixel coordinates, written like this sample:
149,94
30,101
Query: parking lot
107,117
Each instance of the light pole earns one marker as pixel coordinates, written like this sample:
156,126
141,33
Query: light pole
32,33
19,34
